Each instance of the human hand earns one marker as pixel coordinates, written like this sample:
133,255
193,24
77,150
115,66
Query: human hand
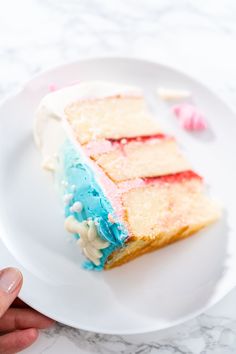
19,323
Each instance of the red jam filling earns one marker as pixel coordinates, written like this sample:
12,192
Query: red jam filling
141,138
176,177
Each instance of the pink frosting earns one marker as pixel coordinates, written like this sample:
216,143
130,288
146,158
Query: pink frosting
110,188
189,117
114,191
98,147
127,185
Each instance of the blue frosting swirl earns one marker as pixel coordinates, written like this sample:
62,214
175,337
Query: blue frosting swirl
82,184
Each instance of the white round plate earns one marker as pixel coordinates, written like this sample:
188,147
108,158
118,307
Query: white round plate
153,292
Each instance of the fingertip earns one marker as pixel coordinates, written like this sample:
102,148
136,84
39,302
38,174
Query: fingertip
11,280
32,334
27,337
18,340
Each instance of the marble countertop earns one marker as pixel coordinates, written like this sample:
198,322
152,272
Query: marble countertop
197,36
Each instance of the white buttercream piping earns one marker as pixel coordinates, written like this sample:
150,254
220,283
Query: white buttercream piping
89,241
76,207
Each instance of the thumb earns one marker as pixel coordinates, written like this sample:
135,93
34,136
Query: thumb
10,283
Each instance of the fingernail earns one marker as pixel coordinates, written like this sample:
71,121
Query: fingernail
10,279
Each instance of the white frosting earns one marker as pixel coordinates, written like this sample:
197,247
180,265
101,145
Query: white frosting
172,94
49,132
64,184
89,241
76,207
49,163
67,198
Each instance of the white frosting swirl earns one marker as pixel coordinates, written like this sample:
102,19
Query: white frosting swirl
90,242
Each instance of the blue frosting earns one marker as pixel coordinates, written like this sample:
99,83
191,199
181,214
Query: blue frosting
82,184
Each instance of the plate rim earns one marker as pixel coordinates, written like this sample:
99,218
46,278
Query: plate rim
21,89
170,67
173,324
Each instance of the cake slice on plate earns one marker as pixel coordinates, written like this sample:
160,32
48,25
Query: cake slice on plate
126,186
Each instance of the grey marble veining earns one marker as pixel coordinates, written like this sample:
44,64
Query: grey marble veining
206,334
197,36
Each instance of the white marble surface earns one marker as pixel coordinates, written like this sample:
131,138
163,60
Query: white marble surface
198,36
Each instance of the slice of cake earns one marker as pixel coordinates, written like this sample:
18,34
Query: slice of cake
127,188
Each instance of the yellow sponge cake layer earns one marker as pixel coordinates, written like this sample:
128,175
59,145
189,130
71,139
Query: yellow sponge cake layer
149,158
111,118
163,212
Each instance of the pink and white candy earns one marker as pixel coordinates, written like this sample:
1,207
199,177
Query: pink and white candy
189,117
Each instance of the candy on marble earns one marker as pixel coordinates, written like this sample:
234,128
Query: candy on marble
190,117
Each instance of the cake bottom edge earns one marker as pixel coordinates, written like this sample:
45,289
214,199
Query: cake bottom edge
137,246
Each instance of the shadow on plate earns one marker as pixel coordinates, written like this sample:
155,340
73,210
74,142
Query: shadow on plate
175,281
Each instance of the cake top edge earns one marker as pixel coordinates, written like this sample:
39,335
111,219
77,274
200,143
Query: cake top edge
57,101
54,103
